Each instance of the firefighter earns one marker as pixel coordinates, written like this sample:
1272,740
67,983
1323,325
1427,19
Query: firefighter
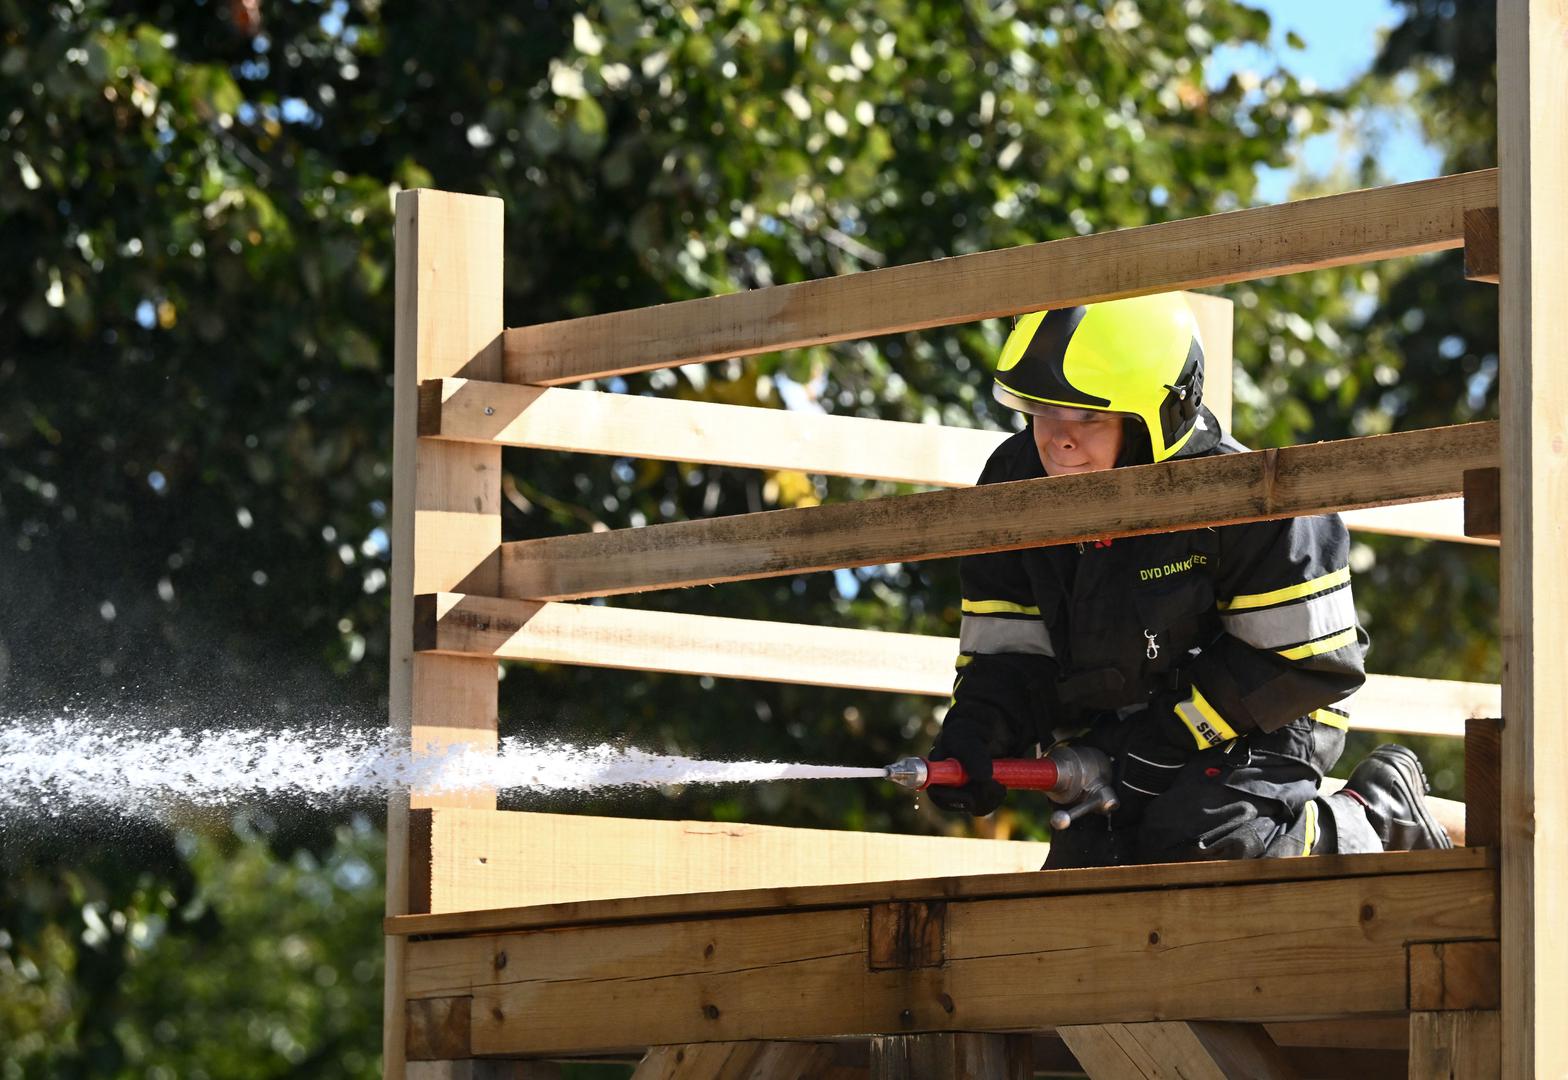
1210,664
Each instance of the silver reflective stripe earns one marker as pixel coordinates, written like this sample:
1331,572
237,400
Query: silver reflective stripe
987,634
1292,624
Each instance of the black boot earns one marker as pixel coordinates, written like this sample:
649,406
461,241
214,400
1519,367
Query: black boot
1390,784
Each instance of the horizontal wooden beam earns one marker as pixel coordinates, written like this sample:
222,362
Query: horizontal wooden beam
1055,883
709,433
470,860
686,644
1352,473
703,432
600,636
1021,964
1358,226
1401,705
1440,519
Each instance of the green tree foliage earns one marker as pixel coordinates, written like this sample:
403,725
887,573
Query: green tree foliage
195,345
226,961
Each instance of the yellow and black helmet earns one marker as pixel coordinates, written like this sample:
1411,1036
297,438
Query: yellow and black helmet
1141,357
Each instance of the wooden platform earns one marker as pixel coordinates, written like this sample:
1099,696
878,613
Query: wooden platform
1367,936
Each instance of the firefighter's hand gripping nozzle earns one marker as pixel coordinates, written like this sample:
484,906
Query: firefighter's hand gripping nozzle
1077,778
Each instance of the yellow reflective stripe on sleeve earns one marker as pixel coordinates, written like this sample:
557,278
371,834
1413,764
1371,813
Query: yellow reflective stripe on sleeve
1289,592
1310,840
1207,726
1332,717
996,607
1318,648
963,661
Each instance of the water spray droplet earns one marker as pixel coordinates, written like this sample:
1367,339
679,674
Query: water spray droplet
63,764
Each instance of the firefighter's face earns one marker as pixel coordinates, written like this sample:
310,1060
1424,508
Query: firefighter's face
1078,445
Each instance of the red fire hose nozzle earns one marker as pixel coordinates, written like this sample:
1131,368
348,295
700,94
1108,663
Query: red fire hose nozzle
1077,777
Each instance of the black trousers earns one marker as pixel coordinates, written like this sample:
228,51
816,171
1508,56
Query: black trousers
1256,798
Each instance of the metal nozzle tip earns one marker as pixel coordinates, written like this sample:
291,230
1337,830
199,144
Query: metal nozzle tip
910,772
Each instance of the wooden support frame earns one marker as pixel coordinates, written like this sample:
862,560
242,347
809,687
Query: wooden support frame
1112,955
923,961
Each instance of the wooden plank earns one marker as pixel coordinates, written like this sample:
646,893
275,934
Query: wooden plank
1455,1045
603,636
1482,257
957,1056
1111,879
1360,226
702,432
1177,1050
1402,705
691,644
438,1028
1455,975
1440,519
1532,71
446,509
1101,1053
1254,952
477,859
1483,506
708,433
1192,493
1483,782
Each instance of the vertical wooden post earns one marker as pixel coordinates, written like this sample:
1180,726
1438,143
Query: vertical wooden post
446,512
1532,70
1457,1044
1217,324
960,1055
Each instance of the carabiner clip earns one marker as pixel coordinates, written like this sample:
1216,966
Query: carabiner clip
1153,651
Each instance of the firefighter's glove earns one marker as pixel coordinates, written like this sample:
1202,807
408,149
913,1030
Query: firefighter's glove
1155,746
968,736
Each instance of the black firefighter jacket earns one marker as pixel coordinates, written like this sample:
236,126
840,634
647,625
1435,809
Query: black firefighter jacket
1234,629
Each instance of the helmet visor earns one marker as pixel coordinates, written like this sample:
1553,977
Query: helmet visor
1060,413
